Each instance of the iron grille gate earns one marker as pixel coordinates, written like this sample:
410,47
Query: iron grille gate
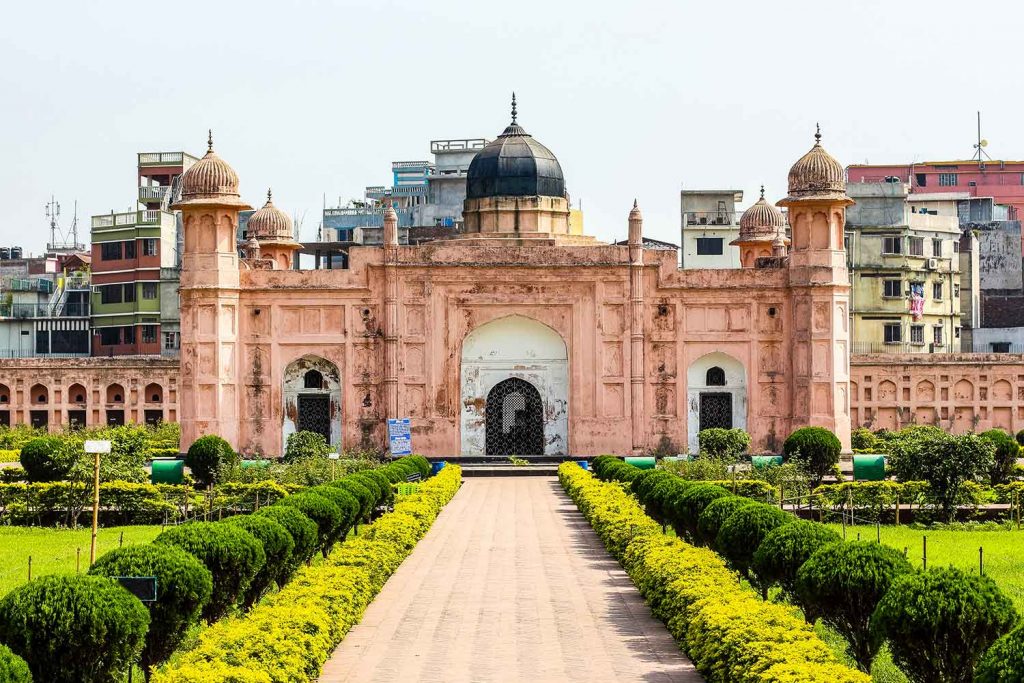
315,414
514,419
715,410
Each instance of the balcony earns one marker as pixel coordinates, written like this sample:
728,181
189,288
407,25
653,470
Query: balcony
901,347
712,218
465,145
397,165
27,285
165,158
27,311
126,220
152,194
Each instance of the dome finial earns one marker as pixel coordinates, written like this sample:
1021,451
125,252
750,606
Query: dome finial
209,140
762,190
268,195
514,113
817,134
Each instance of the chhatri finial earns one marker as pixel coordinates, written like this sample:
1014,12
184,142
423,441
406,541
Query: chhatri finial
762,190
514,113
268,195
209,140
817,134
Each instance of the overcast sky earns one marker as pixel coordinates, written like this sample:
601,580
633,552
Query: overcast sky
637,99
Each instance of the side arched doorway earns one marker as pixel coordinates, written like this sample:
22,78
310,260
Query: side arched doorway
514,389
716,387
514,417
312,399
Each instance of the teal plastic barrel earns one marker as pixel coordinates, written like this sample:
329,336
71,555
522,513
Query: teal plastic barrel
167,471
868,467
642,462
762,461
436,467
677,458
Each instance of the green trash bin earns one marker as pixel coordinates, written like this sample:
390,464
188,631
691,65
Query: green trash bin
677,458
868,467
255,463
642,462
759,462
167,471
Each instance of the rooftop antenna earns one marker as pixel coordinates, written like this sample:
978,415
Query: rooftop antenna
980,154
53,213
59,239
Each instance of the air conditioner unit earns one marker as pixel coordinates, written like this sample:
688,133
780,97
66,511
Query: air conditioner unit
95,289
933,263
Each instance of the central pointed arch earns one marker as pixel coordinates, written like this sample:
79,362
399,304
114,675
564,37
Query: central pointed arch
312,399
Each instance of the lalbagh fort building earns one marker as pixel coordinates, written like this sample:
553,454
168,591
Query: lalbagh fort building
519,335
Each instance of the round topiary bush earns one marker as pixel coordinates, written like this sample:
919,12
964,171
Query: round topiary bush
815,449
277,553
370,484
714,515
322,511
303,532
785,549
231,553
74,628
940,622
387,492
302,445
184,585
1004,661
208,457
742,532
362,494
842,583
1007,451
13,668
690,506
346,502
46,458
723,443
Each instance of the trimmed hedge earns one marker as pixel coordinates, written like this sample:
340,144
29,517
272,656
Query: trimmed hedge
815,449
691,505
73,629
13,668
717,511
743,531
46,458
1004,661
730,634
277,553
184,585
289,635
785,549
208,457
322,511
303,532
232,555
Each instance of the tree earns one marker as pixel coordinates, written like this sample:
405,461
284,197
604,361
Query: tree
843,583
714,514
277,552
728,444
302,445
862,439
47,458
1006,452
946,461
209,457
303,532
184,585
1004,661
784,550
742,532
940,622
74,628
322,511
815,449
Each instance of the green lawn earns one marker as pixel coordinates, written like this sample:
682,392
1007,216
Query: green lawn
1004,552
53,551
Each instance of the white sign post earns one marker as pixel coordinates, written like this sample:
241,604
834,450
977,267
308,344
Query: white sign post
96,448
334,462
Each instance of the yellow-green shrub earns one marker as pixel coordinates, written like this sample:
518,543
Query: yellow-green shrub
726,629
287,637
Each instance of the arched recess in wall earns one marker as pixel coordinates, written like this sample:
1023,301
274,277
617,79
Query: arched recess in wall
154,393
716,393
5,394
115,393
312,399
514,347
77,394
39,394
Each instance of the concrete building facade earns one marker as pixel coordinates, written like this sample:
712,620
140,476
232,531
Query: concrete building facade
710,223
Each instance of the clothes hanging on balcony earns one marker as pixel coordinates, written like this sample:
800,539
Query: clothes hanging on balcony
916,301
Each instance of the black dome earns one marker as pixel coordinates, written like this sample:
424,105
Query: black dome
514,165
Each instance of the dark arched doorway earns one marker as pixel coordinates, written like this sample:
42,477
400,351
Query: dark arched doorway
515,419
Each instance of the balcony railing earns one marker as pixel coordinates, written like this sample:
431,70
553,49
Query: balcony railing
29,353
27,285
902,347
26,311
164,158
117,220
457,145
151,193
395,165
710,218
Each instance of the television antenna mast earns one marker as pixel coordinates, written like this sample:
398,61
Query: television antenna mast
61,240
979,147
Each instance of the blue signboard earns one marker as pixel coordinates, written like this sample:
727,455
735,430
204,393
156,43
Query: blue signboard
400,436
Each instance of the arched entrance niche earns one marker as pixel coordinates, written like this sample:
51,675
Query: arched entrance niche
514,347
312,399
716,392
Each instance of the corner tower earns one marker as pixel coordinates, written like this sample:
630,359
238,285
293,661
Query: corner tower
820,287
209,205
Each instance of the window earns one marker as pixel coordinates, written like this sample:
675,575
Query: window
893,333
715,377
937,248
149,334
129,335
129,249
922,179
313,380
709,246
1000,347
149,247
917,334
110,251
129,292
111,294
892,288
956,331
916,246
937,335
148,290
110,336
170,341
956,291
937,291
947,179
956,246
892,245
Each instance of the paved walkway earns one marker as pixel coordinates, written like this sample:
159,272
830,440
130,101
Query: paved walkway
510,584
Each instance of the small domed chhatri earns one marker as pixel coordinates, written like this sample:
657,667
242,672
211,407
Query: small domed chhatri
816,176
761,227
270,223
210,181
